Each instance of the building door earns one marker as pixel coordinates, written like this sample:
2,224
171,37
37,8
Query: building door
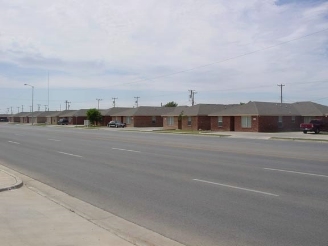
232,123
179,124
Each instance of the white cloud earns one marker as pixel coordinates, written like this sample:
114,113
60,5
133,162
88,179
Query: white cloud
116,43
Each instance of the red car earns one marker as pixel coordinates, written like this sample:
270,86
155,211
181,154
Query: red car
314,126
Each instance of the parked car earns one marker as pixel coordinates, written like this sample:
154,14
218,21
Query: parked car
314,126
116,124
63,122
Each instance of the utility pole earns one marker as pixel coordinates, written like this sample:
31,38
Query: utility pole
39,105
48,91
17,109
7,110
32,100
98,99
69,104
11,110
45,107
281,85
66,102
22,108
137,101
192,96
114,98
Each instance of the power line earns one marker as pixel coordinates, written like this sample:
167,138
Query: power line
228,59
222,61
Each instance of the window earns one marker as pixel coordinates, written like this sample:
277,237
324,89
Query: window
307,119
189,120
293,119
220,122
246,122
153,119
170,121
128,120
280,121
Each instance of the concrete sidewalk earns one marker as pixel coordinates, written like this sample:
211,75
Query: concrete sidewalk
35,214
27,218
300,136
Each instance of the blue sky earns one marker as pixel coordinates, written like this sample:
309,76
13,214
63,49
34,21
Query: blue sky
158,50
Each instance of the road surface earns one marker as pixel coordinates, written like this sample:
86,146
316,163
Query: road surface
197,190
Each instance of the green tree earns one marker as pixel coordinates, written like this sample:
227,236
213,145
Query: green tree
171,104
94,116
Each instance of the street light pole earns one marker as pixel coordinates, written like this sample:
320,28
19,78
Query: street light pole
32,100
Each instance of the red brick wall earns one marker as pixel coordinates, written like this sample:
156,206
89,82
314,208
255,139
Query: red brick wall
260,124
106,120
225,123
197,122
123,120
323,118
254,126
146,121
78,120
174,126
204,122
185,126
270,124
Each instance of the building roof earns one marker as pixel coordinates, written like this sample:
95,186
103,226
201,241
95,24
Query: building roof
203,109
311,109
179,110
258,108
54,113
36,114
23,114
81,112
47,113
111,111
67,113
145,111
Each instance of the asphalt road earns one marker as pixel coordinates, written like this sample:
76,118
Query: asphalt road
197,190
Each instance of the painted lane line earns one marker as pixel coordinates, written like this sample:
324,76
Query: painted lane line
136,151
54,140
13,142
236,187
287,171
64,153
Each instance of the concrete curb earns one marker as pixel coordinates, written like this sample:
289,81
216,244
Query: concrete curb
17,185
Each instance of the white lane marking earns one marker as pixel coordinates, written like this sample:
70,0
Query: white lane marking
287,171
136,151
236,187
64,153
13,142
54,140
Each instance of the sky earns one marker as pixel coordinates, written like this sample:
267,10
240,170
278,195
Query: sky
226,51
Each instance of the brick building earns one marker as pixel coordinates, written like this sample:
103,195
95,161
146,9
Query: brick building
142,116
192,118
266,116
108,115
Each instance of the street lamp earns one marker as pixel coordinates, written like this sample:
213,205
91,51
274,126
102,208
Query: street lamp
32,100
